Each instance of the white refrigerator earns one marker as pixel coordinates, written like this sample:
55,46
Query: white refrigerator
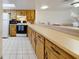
5,29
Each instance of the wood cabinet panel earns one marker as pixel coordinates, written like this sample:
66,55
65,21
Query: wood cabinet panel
18,13
57,51
30,14
12,30
13,15
39,46
29,33
34,40
49,54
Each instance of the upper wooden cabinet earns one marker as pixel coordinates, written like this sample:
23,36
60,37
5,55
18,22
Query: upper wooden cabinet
13,15
21,13
30,14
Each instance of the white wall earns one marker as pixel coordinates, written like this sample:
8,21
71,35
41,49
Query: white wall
0,17
54,16
0,28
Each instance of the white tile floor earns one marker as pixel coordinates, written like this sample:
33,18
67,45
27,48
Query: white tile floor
18,48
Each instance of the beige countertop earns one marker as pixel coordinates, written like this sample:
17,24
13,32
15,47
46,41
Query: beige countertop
69,27
66,42
66,29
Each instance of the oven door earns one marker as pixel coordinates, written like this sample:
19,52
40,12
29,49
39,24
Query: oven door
21,29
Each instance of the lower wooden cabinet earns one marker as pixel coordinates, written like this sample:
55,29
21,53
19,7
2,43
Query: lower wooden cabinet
52,51
12,30
49,54
34,40
45,49
29,31
39,46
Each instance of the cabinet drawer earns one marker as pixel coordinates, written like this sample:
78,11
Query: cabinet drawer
57,50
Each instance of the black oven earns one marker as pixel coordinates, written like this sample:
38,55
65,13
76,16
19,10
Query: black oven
21,29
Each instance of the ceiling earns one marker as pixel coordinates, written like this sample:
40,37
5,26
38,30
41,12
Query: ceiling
54,4
21,4
36,4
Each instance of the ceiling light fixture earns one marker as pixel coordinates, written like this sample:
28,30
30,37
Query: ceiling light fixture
44,7
75,3
8,5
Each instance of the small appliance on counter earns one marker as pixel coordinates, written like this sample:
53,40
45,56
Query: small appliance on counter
21,27
75,24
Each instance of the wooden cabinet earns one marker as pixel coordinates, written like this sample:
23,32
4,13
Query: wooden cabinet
29,30
49,54
12,30
39,46
21,13
34,40
30,14
45,49
13,15
52,51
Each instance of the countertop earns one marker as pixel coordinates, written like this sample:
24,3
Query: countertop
65,29
67,42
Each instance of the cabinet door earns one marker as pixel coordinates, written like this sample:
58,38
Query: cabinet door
49,54
32,14
13,15
34,40
12,30
57,51
29,33
39,46
28,15
23,13
18,12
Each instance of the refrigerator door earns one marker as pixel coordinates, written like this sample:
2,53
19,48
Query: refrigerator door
5,29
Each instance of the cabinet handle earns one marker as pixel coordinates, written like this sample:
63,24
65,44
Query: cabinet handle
56,51
46,55
39,36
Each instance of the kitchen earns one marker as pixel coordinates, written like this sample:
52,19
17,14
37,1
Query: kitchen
51,29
